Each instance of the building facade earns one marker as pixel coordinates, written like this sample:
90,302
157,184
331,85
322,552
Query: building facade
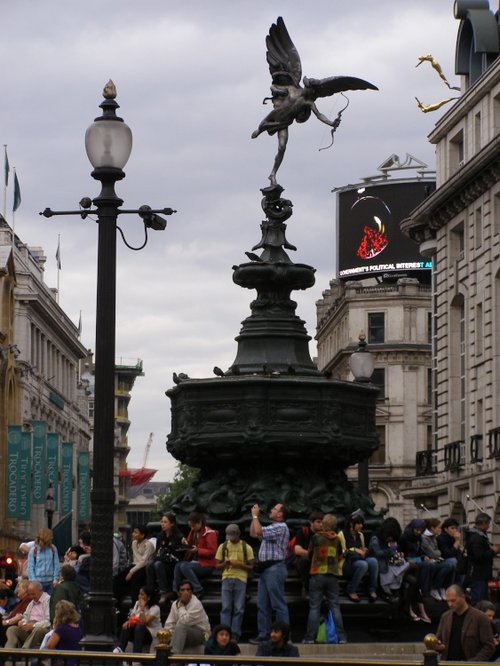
395,317
39,391
458,226
126,372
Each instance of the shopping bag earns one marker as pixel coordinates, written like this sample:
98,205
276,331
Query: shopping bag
331,629
321,633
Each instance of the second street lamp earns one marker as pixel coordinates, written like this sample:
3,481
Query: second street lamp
108,142
361,364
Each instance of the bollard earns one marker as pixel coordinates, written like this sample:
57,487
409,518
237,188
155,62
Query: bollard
430,654
163,647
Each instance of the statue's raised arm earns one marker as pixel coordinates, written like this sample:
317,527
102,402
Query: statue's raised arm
290,100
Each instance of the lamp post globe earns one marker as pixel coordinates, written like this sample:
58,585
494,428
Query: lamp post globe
361,362
108,141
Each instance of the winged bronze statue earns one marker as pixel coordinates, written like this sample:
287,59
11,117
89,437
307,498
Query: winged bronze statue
290,100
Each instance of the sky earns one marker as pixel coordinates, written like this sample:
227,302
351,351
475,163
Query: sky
191,77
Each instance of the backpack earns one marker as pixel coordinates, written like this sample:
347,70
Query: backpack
35,552
243,545
290,553
120,558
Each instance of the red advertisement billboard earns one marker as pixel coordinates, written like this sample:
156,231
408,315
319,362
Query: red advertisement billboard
369,239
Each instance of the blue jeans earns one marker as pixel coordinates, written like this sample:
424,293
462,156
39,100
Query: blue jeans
161,573
320,585
443,573
271,597
191,571
478,591
233,592
359,569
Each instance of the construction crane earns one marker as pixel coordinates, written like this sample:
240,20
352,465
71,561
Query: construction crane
147,449
139,477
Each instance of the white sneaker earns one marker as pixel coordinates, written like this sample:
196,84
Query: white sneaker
442,592
435,595
118,650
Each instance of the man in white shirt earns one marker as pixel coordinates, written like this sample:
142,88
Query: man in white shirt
34,624
187,620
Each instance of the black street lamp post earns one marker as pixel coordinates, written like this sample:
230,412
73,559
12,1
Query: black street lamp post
361,364
50,504
108,142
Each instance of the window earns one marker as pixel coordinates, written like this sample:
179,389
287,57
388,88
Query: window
463,396
457,154
376,327
378,457
378,378
479,329
477,132
457,242
496,115
429,386
478,227
430,327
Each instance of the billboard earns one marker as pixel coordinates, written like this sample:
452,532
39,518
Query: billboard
369,239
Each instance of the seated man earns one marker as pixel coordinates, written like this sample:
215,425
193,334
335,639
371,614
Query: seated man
279,645
187,620
34,624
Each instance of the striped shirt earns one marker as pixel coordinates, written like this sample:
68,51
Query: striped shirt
275,538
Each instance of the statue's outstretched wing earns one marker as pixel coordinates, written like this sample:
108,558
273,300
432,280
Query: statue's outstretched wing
282,56
336,84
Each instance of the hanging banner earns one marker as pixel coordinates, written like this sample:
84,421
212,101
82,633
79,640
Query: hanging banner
66,477
83,487
18,473
39,472
53,464
25,477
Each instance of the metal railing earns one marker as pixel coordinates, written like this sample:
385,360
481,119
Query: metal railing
22,657
476,448
494,443
426,463
454,456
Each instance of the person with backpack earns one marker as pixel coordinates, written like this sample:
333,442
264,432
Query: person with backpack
235,558
299,545
324,574
43,561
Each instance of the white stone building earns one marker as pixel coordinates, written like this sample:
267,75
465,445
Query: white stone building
459,227
395,318
39,379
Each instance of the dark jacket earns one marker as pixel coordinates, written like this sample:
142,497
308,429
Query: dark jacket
66,590
212,647
477,635
446,546
267,649
169,546
411,544
381,552
480,555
